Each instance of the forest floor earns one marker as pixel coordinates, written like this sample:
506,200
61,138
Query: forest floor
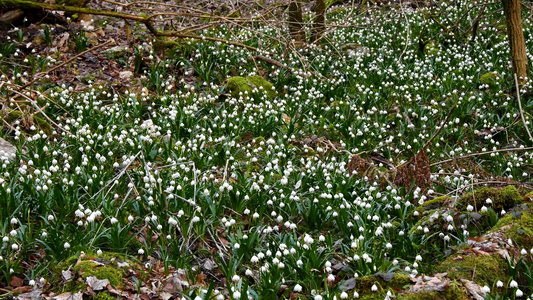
391,159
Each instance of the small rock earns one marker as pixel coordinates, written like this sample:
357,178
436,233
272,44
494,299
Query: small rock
122,264
7,150
209,265
125,75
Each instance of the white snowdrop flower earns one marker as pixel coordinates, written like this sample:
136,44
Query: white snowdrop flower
50,218
197,298
235,278
130,218
15,247
418,258
237,295
236,245
13,232
519,293
297,288
140,251
355,294
254,259
299,263
249,272
488,201
513,284
14,221
485,289
395,262
388,245
318,297
374,288
255,215
449,218
499,284
66,245
523,251
113,220
344,295
220,297
470,207
99,252
331,278
32,282
484,208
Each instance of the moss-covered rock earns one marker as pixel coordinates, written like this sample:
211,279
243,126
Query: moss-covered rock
453,291
489,78
517,225
243,86
88,268
363,285
107,265
434,204
482,269
505,198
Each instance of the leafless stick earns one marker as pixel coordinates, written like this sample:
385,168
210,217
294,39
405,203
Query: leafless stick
426,144
520,106
480,153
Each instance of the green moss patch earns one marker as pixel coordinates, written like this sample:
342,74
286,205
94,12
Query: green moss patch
90,268
482,269
517,225
454,291
364,285
505,198
243,86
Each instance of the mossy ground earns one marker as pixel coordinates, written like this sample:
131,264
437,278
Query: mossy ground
518,226
505,198
482,269
103,266
364,285
238,85
454,291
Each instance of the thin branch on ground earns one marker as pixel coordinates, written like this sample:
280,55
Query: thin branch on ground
479,154
520,107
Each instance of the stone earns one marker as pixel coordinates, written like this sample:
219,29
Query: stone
7,150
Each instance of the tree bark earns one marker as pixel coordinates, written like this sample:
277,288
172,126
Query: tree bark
319,26
517,45
295,22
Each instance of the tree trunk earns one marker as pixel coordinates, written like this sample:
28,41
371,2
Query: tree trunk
295,22
319,24
513,18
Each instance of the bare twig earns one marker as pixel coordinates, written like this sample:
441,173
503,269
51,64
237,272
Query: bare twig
520,106
479,154
426,144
